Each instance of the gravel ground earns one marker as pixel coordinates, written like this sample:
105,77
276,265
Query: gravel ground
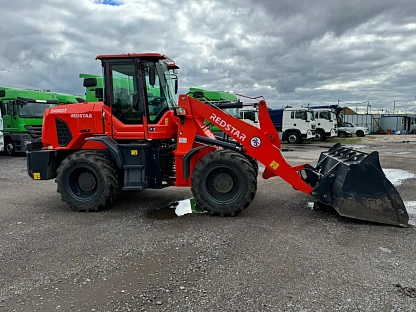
278,255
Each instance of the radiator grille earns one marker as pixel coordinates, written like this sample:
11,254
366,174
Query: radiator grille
35,131
63,132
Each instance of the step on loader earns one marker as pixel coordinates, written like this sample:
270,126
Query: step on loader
138,136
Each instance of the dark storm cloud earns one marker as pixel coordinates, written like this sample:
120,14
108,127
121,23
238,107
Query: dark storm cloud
289,51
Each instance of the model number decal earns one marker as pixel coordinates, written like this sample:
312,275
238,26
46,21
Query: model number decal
58,110
81,115
223,124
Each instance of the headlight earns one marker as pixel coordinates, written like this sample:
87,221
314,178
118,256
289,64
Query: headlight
347,131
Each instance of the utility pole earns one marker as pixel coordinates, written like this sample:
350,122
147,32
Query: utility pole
394,107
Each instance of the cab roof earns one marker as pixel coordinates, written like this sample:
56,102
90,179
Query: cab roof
147,56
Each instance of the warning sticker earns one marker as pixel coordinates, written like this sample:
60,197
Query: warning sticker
274,165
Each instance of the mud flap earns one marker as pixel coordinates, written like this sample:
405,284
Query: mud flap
355,185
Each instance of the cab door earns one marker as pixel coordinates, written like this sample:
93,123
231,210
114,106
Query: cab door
123,118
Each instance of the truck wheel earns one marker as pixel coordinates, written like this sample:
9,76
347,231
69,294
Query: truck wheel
360,133
319,135
293,138
87,181
224,183
9,147
342,135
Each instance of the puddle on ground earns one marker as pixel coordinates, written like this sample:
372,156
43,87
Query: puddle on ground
175,209
396,176
411,211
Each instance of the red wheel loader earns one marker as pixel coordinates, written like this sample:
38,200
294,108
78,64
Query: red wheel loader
139,137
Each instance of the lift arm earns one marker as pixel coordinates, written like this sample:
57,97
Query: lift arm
262,143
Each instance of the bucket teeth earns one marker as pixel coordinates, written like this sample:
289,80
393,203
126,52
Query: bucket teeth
354,183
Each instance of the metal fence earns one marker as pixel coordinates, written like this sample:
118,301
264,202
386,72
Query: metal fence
372,122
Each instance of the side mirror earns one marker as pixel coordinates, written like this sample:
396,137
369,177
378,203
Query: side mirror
99,94
2,108
176,86
90,82
12,109
152,75
2,93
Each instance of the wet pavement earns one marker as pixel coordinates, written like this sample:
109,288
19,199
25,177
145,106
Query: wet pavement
148,253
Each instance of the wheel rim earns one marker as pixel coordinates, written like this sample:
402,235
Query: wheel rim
292,138
318,136
222,186
82,183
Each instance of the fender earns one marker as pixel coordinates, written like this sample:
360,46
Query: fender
112,147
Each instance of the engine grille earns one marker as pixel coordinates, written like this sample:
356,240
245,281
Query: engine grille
64,134
34,131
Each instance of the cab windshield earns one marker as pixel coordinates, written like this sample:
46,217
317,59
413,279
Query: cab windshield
33,110
161,95
310,116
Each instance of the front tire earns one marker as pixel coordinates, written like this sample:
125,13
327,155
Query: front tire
87,181
293,137
360,134
319,136
9,147
224,183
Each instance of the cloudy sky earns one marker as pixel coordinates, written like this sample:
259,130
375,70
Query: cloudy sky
290,51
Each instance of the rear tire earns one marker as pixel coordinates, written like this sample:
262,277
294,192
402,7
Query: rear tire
224,183
293,137
87,181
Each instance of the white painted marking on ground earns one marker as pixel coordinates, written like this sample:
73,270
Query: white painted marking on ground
396,176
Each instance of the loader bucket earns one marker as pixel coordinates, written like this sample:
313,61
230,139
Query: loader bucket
354,184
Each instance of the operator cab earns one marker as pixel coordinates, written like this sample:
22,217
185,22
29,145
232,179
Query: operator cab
139,90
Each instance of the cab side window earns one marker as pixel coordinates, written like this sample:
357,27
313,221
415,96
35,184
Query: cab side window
125,94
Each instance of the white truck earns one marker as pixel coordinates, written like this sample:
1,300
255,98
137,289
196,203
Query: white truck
326,122
294,124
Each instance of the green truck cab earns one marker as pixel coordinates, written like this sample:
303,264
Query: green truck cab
69,98
91,82
22,113
220,99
